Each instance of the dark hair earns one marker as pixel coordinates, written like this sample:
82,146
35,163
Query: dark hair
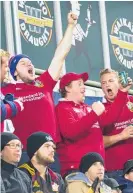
63,91
129,170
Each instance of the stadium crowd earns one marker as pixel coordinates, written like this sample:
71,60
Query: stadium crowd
71,147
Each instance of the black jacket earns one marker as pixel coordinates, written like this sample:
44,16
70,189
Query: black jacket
14,180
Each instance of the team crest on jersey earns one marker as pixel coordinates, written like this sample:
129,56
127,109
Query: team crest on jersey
36,187
130,106
55,187
35,184
38,83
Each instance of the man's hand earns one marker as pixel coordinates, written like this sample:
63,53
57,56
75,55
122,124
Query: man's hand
72,19
126,89
127,133
98,108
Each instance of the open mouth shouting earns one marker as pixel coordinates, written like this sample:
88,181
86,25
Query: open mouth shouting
110,92
31,71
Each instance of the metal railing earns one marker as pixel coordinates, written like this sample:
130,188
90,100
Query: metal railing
88,82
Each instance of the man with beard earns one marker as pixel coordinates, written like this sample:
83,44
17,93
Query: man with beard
118,137
12,179
41,150
36,93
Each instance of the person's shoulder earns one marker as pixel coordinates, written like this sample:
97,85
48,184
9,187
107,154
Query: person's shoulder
27,169
8,87
64,104
77,186
24,174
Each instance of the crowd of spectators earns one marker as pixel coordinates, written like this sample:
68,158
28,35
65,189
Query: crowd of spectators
94,143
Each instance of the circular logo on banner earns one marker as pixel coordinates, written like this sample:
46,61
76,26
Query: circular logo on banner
35,22
122,41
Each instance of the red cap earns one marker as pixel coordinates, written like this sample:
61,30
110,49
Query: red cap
69,77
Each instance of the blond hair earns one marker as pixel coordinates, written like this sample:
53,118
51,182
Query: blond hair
4,53
108,70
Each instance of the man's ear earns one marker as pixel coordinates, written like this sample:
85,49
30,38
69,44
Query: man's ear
126,176
68,87
1,154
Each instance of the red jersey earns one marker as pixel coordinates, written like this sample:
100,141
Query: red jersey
39,112
80,131
117,154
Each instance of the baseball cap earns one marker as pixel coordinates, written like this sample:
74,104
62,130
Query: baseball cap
69,77
112,183
128,166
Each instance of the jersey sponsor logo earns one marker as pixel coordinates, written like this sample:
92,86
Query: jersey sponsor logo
122,41
33,97
123,124
35,22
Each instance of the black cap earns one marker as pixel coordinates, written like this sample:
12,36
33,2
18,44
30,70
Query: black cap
89,159
128,166
112,183
6,137
35,141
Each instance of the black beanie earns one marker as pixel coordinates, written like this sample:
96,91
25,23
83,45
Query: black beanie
89,159
35,141
6,137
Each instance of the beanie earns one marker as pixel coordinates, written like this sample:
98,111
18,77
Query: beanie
88,160
13,63
127,166
6,137
35,141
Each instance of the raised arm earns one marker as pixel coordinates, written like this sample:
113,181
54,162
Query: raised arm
63,48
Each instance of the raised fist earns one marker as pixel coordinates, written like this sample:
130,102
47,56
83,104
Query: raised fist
98,108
